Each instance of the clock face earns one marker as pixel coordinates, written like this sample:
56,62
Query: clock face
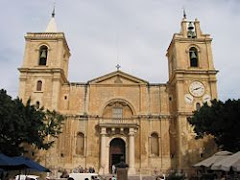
196,88
188,98
206,98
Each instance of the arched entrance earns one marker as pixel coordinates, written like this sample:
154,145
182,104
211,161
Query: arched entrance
117,152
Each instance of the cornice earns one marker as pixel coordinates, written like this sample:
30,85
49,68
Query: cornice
44,70
47,36
184,72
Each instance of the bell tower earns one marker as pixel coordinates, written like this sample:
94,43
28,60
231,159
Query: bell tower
192,82
45,66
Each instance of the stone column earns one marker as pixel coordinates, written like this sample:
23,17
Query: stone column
103,158
131,169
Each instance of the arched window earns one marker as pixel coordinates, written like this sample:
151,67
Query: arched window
193,56
39,85
117,112
43,52
154,144
80,144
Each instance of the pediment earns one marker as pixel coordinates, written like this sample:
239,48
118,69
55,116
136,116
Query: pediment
117,77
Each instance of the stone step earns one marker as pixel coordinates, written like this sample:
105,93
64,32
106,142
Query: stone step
136,177
133,177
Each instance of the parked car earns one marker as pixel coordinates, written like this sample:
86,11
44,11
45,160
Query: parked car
26,177
85,176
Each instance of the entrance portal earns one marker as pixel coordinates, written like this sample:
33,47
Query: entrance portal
117,152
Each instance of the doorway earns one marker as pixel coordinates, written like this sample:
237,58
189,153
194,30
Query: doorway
117,152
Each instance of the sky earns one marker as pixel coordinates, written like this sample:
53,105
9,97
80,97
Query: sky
132,33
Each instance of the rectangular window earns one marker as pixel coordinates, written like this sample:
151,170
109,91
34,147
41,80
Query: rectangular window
117,112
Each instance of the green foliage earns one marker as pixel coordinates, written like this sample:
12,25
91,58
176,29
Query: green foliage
222,121
25,124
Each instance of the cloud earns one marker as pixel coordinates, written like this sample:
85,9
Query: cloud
133,33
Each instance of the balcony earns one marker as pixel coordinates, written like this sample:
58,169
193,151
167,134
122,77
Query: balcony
119,122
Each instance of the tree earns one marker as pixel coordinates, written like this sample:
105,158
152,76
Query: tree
222,121
25,124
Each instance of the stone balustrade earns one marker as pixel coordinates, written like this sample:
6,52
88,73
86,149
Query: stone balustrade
45,35
118,122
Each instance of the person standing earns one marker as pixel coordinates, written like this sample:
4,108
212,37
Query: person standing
113,169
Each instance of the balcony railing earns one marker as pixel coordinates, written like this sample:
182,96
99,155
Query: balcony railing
118,122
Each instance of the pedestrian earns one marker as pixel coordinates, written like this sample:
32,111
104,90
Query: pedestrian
161,177
113,169
90,169
64,174
81,170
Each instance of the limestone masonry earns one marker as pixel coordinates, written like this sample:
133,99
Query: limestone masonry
118,116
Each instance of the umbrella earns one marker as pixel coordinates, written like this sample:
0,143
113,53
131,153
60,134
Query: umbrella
227,163
8,163
31,165
236,166
213,159
5,160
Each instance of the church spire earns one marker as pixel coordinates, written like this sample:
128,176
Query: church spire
52,26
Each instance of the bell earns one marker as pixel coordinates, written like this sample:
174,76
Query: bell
193,55
43,54
189,34
193,34
190,26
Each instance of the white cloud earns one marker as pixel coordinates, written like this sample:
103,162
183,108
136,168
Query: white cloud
134,33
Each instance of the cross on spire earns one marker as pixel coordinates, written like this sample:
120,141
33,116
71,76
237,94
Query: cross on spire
184,14
53,12
118,67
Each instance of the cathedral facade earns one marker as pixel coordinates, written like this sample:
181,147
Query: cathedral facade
118,117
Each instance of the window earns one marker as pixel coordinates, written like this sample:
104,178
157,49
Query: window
154,144
117,112
39,86
80,144
198,106
193,56
43,52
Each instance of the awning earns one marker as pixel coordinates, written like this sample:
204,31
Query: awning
20,163
227,163
213,159
32,165
8,163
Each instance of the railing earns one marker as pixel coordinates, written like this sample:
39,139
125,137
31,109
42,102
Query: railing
119,121
45,35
